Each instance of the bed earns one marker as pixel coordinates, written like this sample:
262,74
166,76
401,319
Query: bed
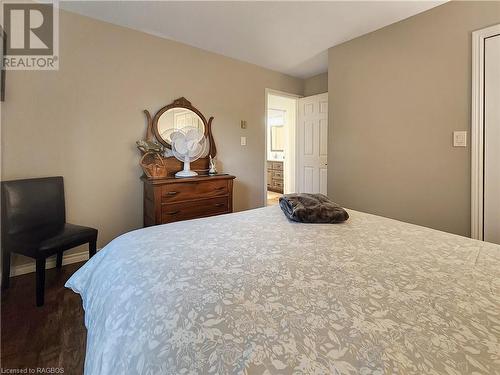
252,293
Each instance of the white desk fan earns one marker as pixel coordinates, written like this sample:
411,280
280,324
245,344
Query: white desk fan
188,144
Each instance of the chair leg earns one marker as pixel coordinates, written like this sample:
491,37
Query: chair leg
59,259
5,269
40,281
92,248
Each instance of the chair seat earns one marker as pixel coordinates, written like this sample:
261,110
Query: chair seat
52,241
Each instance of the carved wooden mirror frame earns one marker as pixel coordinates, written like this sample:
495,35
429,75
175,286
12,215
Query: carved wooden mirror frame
173,165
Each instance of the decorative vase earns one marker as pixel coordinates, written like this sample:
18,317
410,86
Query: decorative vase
213,169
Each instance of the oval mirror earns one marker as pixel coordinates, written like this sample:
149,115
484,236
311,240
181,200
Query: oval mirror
175,119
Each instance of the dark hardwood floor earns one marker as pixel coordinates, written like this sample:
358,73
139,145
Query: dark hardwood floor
51,336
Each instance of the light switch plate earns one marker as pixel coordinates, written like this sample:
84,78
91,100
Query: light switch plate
460,139
243,141
243,124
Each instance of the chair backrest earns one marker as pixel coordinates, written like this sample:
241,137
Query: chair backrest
32,204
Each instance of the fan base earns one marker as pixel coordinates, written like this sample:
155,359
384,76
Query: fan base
184,173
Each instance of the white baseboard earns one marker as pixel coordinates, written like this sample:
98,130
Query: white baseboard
51,263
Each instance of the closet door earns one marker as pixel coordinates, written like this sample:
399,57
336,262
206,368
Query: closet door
492,139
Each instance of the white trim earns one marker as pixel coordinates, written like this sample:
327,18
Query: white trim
282,93
277,93
477,128
51,263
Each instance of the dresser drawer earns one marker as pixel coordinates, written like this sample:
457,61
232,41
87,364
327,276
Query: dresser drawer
277,174
183,191
175,199
193,209
278,165
278,184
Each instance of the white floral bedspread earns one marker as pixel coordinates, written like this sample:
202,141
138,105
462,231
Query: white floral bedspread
251,293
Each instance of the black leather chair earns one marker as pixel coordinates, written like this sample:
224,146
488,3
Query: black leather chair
34,225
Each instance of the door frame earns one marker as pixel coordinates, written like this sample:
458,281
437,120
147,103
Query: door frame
288,95
477,129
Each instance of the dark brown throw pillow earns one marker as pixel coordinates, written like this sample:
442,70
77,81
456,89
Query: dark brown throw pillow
312,208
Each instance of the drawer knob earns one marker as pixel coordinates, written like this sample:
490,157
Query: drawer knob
172,212
172,192
219,204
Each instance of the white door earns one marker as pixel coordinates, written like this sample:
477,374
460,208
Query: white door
492,139
312,144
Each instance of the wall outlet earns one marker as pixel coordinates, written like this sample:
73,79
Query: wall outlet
460,139
243,141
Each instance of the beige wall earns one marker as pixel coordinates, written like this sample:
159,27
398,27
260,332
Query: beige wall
317,84
83,120
396,95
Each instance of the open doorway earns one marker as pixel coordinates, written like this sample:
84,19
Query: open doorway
280,170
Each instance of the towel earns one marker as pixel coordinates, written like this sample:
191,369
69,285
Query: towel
312,208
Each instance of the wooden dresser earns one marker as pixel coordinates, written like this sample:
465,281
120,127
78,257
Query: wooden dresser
175,199
167,198
275,176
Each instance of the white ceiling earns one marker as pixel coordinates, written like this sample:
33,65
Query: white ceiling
289,37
